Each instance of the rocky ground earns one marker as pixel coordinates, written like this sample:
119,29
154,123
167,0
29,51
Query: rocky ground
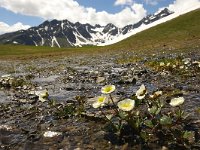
66,120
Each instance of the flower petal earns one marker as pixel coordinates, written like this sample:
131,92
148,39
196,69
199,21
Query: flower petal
108,89
177,101
99,101
96,105
126,105
141,92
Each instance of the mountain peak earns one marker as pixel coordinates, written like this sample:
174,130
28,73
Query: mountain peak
63,33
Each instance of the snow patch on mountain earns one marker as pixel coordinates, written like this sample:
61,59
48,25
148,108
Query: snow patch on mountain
64,33
145,27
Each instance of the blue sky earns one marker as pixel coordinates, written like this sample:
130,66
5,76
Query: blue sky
10,17
19,14
109,6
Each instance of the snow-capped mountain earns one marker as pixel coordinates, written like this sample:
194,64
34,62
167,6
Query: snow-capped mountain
66,34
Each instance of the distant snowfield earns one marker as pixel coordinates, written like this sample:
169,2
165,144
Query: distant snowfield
144,27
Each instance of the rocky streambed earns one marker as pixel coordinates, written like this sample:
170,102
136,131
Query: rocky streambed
66,119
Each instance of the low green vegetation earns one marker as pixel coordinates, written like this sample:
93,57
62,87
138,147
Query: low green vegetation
9,82
147,118
127,59
176,66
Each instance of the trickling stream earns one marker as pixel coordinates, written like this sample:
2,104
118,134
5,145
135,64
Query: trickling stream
24,119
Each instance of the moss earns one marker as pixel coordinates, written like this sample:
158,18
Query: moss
168,64
127,59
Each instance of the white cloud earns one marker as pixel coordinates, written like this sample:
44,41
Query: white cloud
71,10
152,2
123,2
184,5
4,28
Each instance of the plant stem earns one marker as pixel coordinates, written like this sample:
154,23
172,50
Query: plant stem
106,117
116,110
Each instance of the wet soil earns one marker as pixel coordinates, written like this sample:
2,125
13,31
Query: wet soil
75,81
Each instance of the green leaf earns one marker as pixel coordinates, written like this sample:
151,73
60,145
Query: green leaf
189,135
149,123
122,115
161,104
144,136
158,111
109,117
165,120
153,109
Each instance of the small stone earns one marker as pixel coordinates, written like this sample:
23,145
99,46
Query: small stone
100,79
5,127
164,148
51,134
23,101
6,76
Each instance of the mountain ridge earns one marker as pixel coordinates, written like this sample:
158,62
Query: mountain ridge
64,33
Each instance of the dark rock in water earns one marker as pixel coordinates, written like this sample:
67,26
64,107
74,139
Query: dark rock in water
131,81
68,88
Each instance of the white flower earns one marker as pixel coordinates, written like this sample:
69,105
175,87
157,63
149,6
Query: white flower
197,63
177,101
162,64
43,95
156,94
186,61
141,92
100,102
108,89
126,105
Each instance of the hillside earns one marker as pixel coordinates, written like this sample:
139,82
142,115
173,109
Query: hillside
179,33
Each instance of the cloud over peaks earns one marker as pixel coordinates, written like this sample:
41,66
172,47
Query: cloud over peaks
123,2
151,2
184,5
4,28
74,12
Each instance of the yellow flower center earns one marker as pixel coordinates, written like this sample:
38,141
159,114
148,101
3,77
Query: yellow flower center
108,89
126,105
101,99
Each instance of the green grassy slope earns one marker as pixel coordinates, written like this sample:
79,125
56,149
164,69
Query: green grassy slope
181,32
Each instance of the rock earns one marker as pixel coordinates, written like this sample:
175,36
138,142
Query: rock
119,70
100,79
6,76
5,127
127,80
51,134
130,80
